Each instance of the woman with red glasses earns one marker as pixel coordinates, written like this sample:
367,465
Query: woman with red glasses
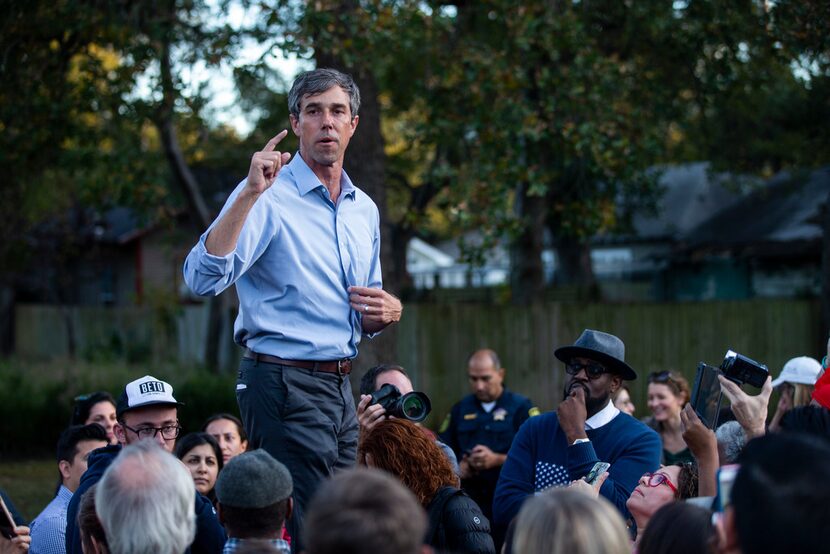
666,485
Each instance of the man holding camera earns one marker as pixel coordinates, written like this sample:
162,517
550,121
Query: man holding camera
370,412
559,447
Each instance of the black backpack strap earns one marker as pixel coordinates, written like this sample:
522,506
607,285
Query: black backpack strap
436,510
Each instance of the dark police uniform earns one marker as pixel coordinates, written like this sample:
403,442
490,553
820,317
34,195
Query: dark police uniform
468,425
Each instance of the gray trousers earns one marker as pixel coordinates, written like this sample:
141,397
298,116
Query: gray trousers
304,419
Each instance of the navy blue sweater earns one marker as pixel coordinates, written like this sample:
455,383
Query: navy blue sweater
540,458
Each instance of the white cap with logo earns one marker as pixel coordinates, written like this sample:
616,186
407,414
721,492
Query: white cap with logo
146,391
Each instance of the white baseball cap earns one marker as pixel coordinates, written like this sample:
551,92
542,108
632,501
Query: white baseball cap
146,391
802,370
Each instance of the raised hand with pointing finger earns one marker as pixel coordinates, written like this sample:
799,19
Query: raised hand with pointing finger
288,238
266,164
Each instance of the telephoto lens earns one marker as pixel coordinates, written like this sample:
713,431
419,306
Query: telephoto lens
414,406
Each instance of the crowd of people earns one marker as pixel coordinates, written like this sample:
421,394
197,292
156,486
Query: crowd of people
305,468
207,491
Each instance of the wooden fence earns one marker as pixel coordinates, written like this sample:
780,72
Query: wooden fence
434,340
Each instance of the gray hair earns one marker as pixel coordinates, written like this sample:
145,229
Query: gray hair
731,441
145,502
568,520
318,81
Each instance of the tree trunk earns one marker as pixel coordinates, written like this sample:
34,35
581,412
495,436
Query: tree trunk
574,266
365,163
197,206
398,273
527,271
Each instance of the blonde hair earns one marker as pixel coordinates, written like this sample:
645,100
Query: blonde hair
802,394
568,520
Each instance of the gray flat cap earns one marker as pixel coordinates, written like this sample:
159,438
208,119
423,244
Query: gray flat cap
253,480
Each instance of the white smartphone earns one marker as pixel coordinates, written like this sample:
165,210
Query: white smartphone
596,472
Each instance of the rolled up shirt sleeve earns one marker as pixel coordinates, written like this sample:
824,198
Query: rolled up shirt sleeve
207,274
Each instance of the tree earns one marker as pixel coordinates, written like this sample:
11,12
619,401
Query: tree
85,120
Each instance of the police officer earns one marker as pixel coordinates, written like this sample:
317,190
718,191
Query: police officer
480,428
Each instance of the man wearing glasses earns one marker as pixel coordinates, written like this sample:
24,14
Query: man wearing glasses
562,446
146,410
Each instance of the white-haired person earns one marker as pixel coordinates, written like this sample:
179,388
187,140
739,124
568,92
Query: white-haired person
145,502
731,441
795,387
145,411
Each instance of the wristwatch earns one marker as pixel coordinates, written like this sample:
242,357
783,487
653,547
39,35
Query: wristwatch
580,441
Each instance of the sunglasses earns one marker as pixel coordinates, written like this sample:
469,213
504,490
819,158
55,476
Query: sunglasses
592,369
657,479
660,377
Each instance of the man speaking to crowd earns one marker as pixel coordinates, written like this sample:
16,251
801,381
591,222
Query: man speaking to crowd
302,245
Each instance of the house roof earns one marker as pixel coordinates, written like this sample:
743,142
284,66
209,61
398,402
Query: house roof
782,217
691,193
121,225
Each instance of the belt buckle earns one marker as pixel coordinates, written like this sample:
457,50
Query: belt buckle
339,368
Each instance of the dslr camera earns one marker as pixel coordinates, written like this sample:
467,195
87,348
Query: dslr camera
740,369
414,406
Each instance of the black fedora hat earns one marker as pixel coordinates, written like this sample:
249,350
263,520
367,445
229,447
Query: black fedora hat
602,347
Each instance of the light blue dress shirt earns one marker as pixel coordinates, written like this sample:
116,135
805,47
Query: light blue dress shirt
235,544
48,530
296,256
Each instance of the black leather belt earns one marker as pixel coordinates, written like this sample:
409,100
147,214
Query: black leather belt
341,367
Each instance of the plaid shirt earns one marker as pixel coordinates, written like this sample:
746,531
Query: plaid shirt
49,528
233,543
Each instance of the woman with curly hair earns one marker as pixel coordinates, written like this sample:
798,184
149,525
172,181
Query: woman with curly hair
655,490
400,447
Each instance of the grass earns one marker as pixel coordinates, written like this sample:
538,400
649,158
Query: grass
30,484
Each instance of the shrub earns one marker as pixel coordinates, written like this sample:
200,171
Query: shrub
36,400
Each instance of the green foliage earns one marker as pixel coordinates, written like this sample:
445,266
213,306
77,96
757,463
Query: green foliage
499,117
30,484
36,400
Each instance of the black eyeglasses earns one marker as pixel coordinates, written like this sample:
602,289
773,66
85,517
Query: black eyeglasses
168,432
592,369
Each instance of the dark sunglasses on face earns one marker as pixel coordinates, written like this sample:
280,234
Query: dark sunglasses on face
592,369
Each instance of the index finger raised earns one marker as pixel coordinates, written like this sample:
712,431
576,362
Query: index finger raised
271,144
730,389
766,390
690,414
